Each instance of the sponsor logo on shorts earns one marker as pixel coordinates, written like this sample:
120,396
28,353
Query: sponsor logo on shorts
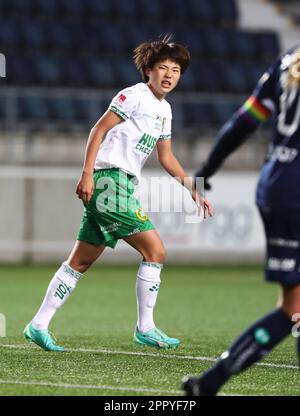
135,231
141,214
110,228
284,265
283,154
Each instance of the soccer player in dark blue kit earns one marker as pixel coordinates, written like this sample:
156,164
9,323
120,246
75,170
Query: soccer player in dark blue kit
276,95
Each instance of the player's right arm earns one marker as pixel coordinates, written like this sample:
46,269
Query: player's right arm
85,186
256,109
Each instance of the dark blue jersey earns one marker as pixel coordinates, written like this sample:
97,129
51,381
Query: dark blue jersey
276,95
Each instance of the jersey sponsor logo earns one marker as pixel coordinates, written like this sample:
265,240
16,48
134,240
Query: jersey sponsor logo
121,98
283,154
141,214
146,143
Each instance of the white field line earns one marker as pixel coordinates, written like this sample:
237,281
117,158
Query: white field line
89,386
97,387
148,354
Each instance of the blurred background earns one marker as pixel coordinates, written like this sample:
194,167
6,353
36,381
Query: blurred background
66,59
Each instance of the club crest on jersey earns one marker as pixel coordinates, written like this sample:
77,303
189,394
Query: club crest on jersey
141,214
121,99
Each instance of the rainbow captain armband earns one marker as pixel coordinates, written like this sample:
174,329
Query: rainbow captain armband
254,112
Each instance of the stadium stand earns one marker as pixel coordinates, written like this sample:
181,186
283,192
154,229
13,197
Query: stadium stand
87,44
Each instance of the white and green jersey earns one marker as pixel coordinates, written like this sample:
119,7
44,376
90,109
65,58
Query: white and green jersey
146,120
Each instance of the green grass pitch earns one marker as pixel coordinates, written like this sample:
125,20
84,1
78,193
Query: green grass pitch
205,306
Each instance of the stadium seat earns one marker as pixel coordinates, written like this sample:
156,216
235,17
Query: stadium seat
32,34
223,110
99,9
17,7
136,35
208,76
71,8
20,70
244,45
150,10
62,109
100,72
125,72
45,8
74,72
124,9
33,108
59,36
235,78
197,114
194,40
9,39
83,109
175,9
49,71
84,38
112,38
188,81
226,12
89,110
268,46
217,43
201,11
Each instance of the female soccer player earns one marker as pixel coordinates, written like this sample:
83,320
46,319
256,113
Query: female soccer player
278,200
138,119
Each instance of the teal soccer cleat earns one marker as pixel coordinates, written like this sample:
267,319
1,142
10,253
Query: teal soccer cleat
155,338
42,338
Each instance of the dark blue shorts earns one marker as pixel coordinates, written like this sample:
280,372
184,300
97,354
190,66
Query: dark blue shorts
282,228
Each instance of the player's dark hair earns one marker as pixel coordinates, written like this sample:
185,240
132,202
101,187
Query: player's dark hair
147,54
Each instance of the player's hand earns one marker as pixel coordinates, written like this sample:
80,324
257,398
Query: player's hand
85,187
202,203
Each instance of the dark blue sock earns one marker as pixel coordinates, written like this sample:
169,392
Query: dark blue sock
250,347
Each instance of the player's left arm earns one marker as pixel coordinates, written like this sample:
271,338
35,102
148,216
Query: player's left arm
170,163
256,110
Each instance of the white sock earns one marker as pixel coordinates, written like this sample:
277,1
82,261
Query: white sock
59,290
147,286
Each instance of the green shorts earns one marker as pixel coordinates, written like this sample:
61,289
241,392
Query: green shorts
113,212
